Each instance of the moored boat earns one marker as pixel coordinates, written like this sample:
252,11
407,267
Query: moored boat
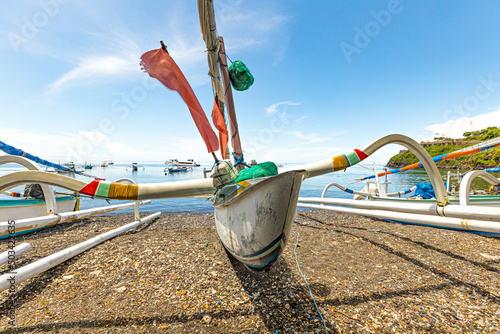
188,163
175,170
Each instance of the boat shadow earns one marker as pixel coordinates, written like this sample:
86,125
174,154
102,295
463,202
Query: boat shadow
280,298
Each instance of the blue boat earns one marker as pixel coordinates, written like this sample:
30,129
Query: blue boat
175,170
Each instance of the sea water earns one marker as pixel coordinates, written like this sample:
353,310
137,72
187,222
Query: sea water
155,172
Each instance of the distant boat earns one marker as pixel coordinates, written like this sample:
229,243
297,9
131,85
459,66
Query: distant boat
134,166
87,166
175,169
105,163
188,163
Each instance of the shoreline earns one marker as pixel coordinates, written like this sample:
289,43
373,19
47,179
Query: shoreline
173,275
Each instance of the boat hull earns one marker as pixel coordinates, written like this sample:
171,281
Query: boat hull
254,217
29,208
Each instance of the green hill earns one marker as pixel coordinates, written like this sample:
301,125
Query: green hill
486,159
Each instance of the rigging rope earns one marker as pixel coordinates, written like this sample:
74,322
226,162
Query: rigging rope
307,284
239,160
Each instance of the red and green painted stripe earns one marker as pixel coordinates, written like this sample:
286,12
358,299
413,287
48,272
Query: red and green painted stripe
112,190
343,161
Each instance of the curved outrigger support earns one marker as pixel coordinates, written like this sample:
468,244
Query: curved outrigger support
344,161
363,193
467,180
422,155
48,193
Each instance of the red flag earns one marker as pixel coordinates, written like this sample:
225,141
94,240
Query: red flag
159,65
220,124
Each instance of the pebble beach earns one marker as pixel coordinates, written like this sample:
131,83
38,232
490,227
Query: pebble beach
172,275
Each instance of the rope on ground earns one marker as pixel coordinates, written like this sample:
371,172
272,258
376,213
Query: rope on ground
305,280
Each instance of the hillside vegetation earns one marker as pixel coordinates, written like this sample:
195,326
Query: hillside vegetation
486,159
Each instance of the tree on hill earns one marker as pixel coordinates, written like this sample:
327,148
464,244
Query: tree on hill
486,159
485,134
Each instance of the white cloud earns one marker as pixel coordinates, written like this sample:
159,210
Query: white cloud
119,57
95,146
310,138
44,144
456,128
95,67
274,107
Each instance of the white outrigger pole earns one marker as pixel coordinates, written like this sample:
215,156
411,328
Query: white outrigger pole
490,227
32,224
37,267
18,250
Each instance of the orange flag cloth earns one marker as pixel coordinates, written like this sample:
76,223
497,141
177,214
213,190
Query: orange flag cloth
220,124
159,65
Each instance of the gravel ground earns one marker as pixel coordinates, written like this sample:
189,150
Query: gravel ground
172,275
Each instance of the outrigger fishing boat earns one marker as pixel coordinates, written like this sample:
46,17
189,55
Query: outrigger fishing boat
466,211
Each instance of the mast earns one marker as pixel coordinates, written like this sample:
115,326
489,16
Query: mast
216,55
231,113
208,30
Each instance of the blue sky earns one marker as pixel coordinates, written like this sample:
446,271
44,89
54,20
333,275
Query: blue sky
330,76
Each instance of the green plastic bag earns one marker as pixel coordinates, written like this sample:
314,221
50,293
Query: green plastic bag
241,78
260,170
